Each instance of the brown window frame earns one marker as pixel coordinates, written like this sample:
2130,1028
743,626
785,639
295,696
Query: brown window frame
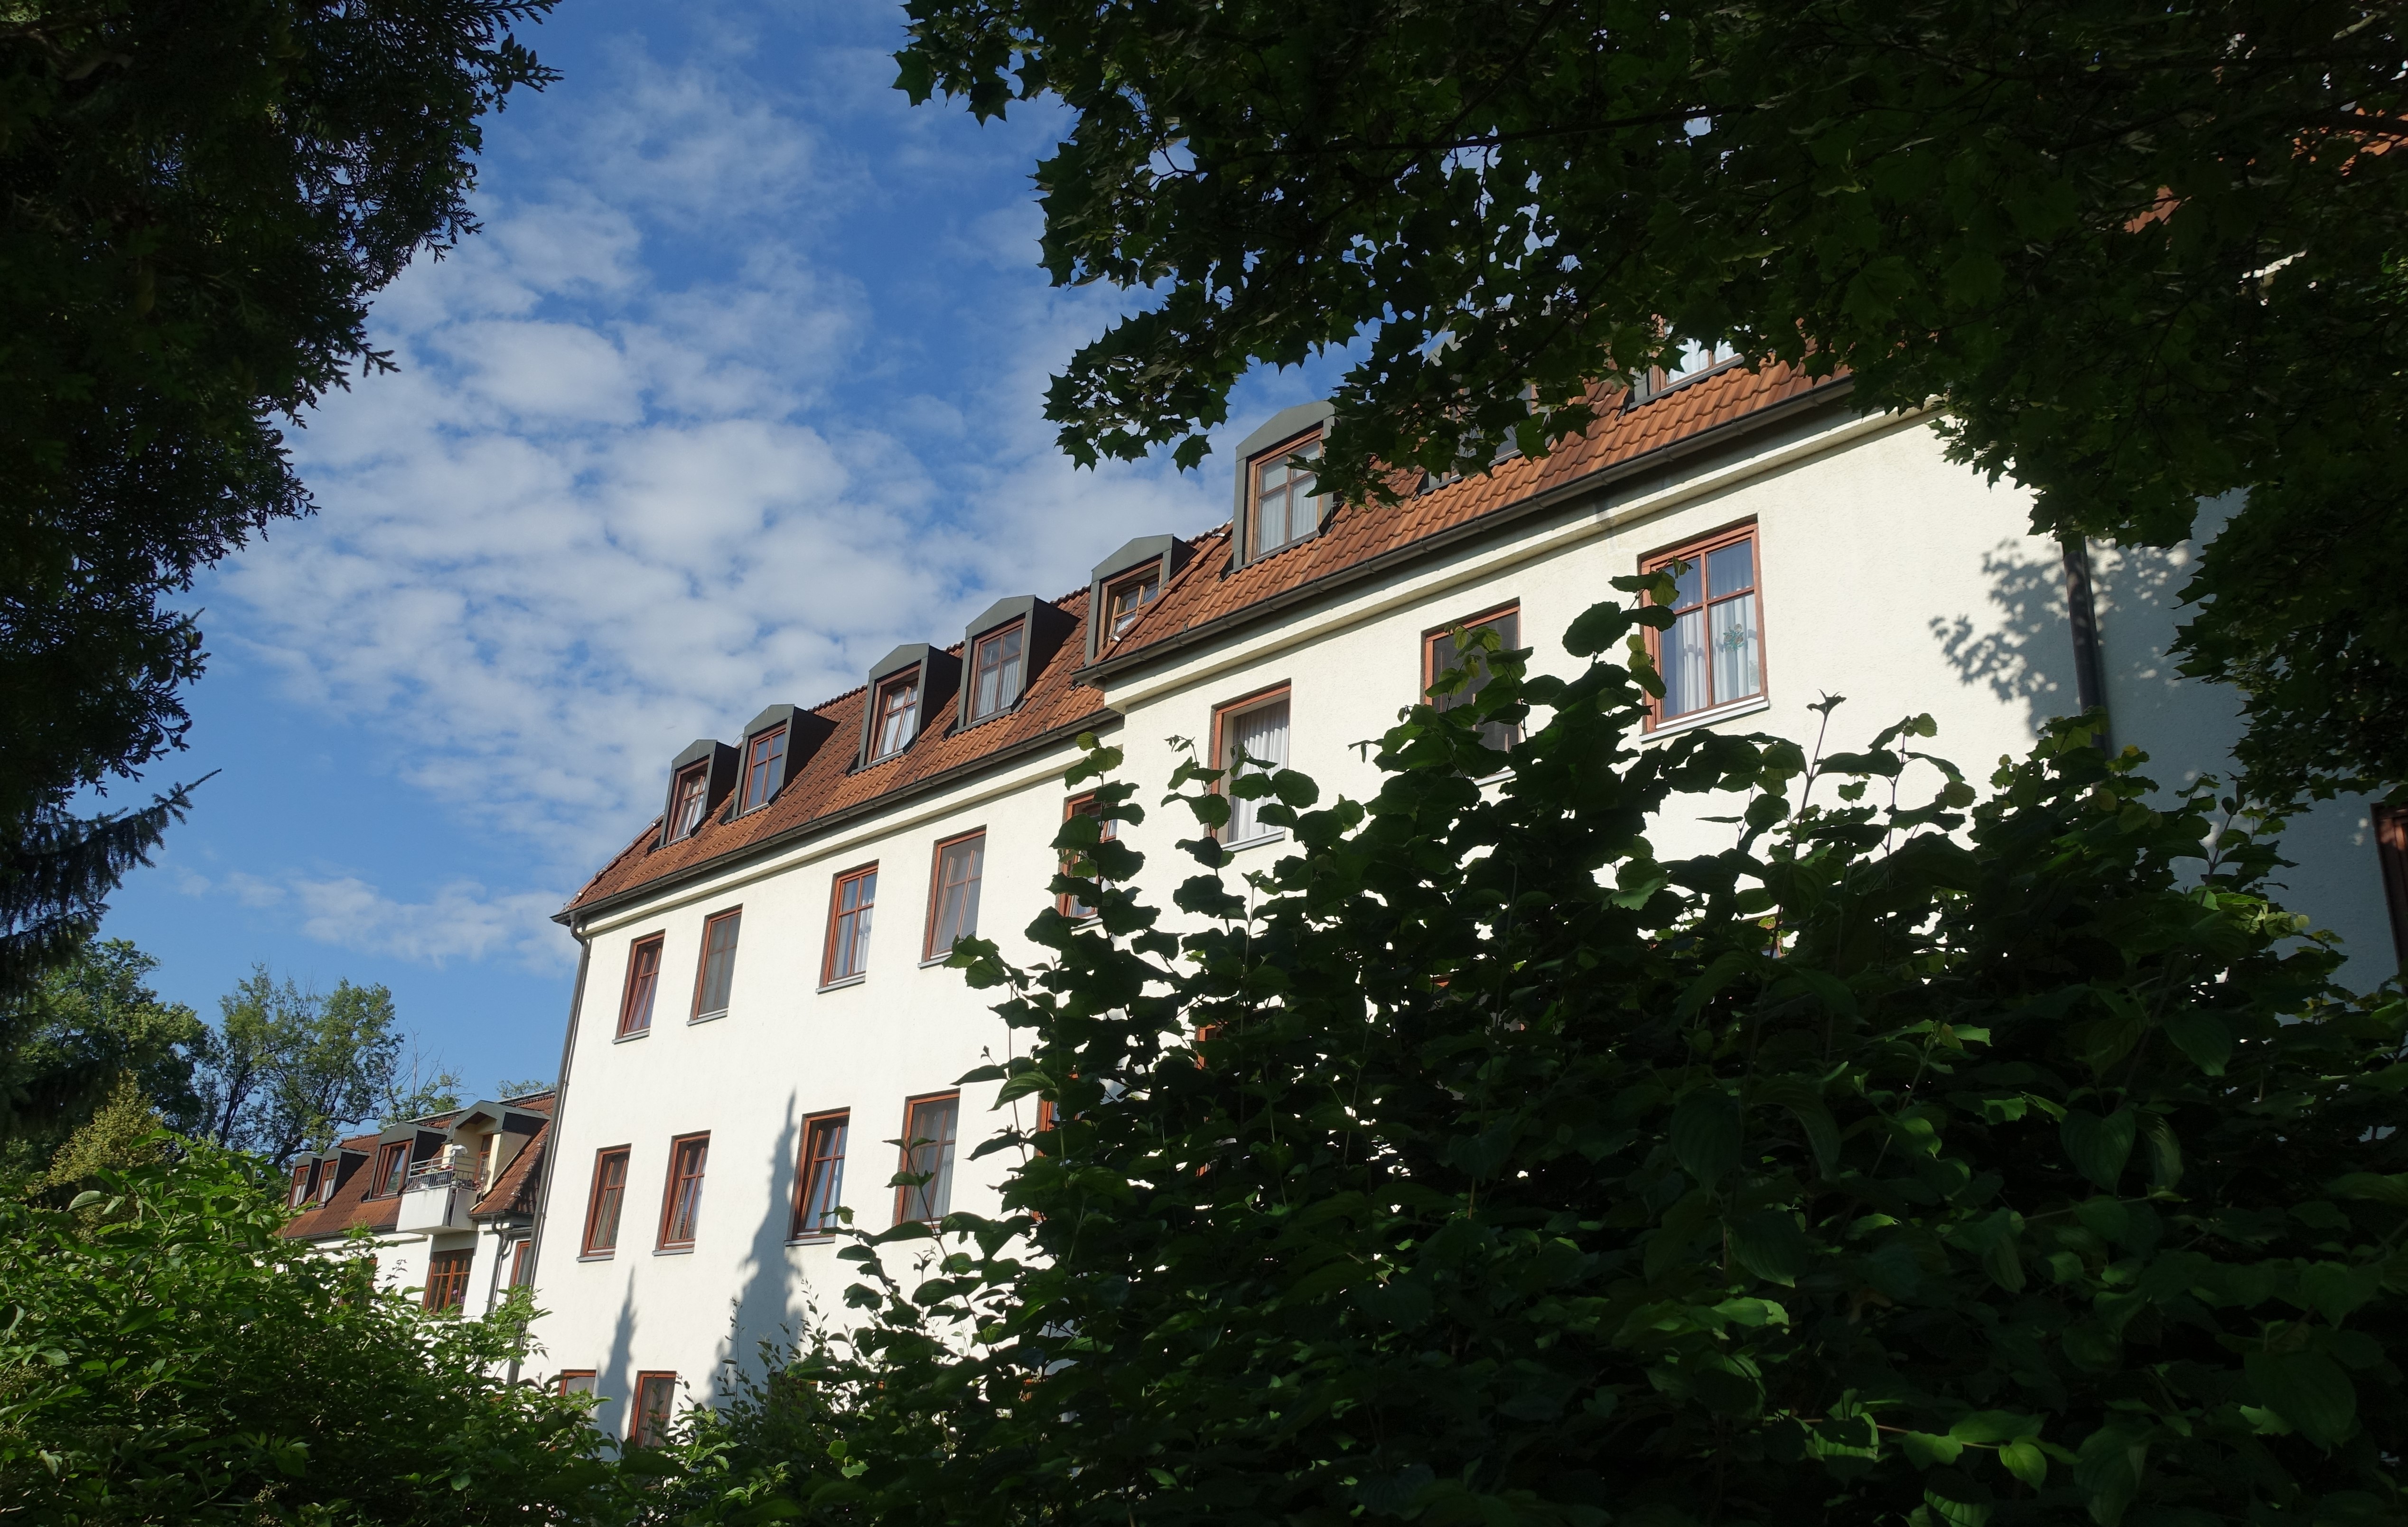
587,1247
681,828
1661,379
910,678
302,1173
384,1185
522,1261
700,1144
1222,715
829,975
903,1191
657,945
929,953
1117,623
1067,905
447,1282
1314,436
561,1383
2391,850
1018,660
757,770
1696,550
639,1434
1430,670
806,1163
702,963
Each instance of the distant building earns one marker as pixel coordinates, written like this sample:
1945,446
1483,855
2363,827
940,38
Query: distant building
448,1200
761,1032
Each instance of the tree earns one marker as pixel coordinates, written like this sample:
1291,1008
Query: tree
2143,255
1921,1157
167,1356
68,1044
288,1069
201,201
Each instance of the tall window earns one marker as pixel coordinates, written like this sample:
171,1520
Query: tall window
521,1262
447,1280
1084,806
717,973
687,798
655,1406
301,1185
392,1168
1283,509
894,706
487,1149
682,1203
643,980
1713,654
995,671
760,760
954,893
1254,740
604,1201
577,1380
851,901
1125,601
1439,654
2391,849
818,1176
928,1126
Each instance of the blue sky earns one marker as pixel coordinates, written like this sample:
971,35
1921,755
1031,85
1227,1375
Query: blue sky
740,387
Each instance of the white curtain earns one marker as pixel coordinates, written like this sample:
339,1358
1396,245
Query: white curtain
1683,650
1261,734
1738,667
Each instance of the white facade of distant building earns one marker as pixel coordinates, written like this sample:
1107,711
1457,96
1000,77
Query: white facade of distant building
1884,572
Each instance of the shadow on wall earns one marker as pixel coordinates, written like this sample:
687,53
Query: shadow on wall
614,1376
762,1309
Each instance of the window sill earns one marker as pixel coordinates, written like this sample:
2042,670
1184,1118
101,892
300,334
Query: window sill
644,1032
706,1018
933,961
685,1250
843,981
1707,717
1277,835
596,1256
817,1238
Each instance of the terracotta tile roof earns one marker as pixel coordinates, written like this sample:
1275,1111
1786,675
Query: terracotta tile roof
1204,593
351,1206
828,786
513,1191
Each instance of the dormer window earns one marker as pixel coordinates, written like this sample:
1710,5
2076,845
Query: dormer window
688,798
763,758
897,706
1284,510
1693,360
1125,601
995,668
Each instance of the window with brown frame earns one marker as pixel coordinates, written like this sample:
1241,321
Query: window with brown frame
604,1200
643,982
819,1175
689,797
924,1189
391,1168
647,1423
1280,508
447,1280
850,900
577,1380
762,756
522,1261
1048,1120
996,671
1441,654
1695,359
1713,654
717,976
1250,736
1083,805
1125,601
681,1198
487,1147
301,1185
896,706
2391,848
954,893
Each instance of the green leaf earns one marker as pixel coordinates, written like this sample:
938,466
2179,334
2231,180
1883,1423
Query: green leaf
2203,1036
2099,1147
1769,1244
1927,1450
2369,1185
1706,1134
2308,1389
2026,1462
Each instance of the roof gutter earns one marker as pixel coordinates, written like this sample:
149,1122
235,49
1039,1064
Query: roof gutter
1096,674
1099,719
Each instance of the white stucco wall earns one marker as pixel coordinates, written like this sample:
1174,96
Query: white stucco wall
1887,575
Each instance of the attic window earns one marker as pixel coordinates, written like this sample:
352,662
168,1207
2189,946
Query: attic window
896,706
1693,361
1125,601
1283,510
762,756
688,797
996,671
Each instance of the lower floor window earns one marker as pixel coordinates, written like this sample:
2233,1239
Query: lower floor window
1713,653
926,1191
655,1404
447,1280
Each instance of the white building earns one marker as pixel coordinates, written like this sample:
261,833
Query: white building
761,1010
448,1200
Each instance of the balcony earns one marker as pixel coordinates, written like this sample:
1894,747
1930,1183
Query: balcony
433,1201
